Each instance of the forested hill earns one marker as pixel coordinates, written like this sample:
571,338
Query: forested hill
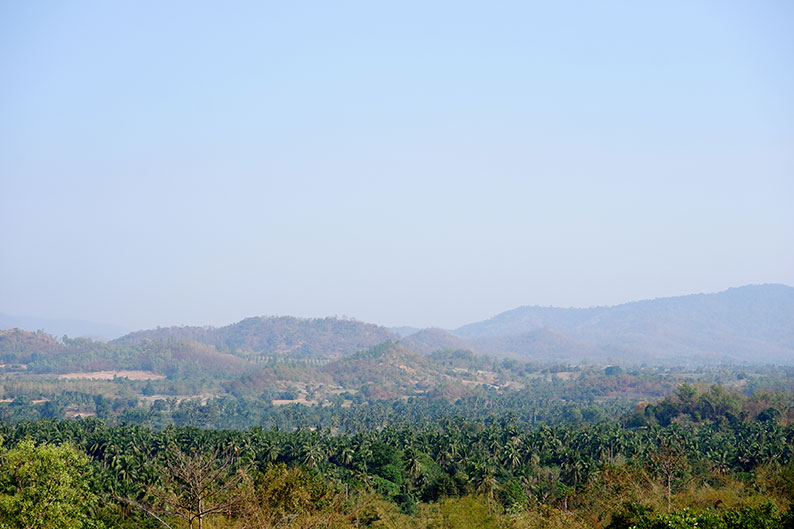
282,336
746,324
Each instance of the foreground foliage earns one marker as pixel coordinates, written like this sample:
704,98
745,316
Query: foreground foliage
721,472
46,486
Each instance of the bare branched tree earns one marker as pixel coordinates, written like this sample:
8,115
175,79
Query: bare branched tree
670,463
195,486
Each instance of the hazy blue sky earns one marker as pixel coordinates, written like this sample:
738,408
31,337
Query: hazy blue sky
420,163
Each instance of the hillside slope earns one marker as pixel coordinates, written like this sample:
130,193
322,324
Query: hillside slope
433,339
277,336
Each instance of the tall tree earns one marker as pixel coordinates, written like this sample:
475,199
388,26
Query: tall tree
46,487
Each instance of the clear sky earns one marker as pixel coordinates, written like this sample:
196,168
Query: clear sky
405,163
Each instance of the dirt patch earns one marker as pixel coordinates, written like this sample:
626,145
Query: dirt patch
110,375
339,390
79,414
203,398
283,402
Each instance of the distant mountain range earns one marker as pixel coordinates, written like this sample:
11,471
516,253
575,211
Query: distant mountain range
746,324
750,324
63,326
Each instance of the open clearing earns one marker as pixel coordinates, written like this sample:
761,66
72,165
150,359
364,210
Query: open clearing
110,375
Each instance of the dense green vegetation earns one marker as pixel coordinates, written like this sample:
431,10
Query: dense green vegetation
720,471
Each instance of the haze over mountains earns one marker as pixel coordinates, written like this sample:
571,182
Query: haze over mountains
746,324
60,326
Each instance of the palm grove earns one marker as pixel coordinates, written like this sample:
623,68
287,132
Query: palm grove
724,470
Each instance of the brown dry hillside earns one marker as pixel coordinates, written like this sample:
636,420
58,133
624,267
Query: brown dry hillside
433,339
277,336
17,345
388,364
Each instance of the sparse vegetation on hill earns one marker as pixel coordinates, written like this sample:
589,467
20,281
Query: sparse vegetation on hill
428,340
18,346
277,336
